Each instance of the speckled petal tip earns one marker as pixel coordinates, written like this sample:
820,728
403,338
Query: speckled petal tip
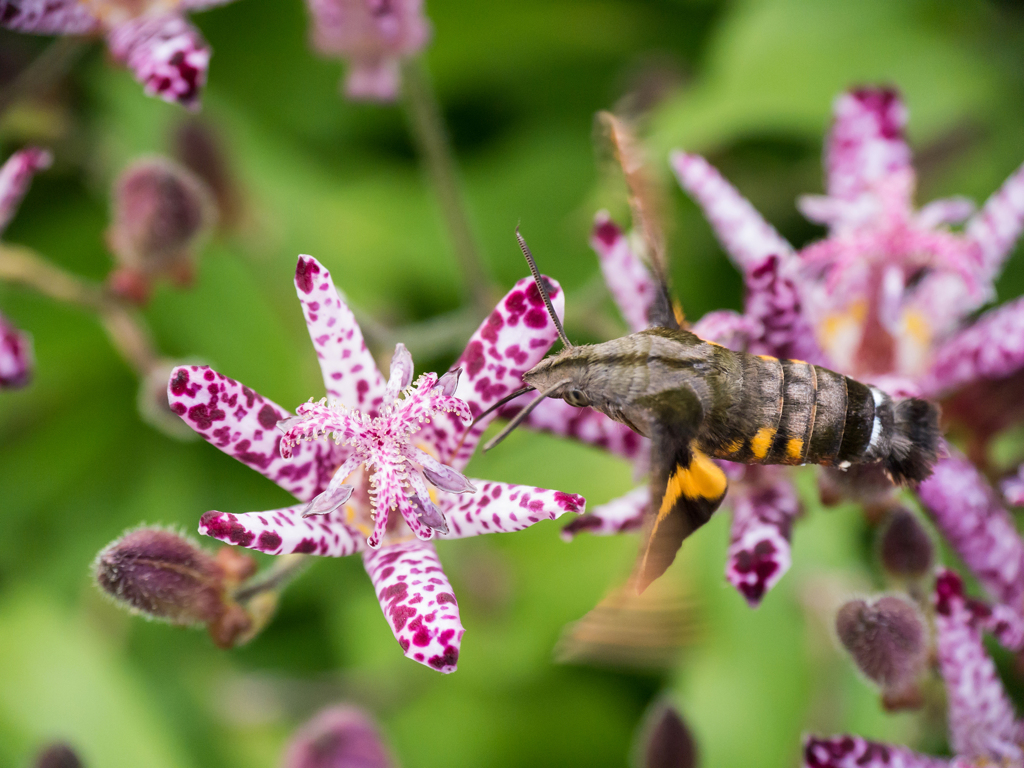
166,54
866,142
48,17
620,515
982,724
350,374
967,512
513,339
773,300
557,417
628,280
16,360
501,507
243,424
418,602
990,348
284,531
743,232
764,506
855,752
15,176
997,226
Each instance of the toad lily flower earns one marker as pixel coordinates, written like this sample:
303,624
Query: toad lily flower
983,730
15,346
391,438
151,37
374,36
886,297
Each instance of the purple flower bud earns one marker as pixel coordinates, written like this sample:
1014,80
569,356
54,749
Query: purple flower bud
886,639
15,356
667,742
161,211
906,549
339,737
58,755
163,575
200,149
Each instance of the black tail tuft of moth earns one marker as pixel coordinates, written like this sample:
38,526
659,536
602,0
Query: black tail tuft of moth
915,441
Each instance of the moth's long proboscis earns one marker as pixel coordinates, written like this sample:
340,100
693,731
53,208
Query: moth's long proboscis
543,291
504,401
519,417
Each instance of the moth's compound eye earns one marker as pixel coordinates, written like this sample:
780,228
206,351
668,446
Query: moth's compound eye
577,398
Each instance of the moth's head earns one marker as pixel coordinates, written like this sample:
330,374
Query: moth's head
566,375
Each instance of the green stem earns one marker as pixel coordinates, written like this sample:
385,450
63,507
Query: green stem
431,137
124,325
284,569
47,68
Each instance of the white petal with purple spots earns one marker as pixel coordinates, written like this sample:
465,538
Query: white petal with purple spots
628,280
418,602
501,507
620,515
284,532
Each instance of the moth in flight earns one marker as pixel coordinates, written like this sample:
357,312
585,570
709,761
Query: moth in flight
697,401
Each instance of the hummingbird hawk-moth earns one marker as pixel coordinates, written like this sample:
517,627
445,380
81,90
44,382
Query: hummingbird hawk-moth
699,401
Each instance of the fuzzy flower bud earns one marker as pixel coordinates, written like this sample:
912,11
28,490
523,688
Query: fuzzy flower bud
15,356
905,547
338,737
667,742
886,639
58,755
161,212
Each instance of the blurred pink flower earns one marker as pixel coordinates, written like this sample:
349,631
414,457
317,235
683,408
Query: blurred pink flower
983,729
16,359
887,296
387,448
338,737
373,36
151,37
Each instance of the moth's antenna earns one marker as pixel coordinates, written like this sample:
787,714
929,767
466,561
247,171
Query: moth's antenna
543,291
497,405
518,418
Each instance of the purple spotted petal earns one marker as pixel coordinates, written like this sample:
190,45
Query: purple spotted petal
284,531
966,511
728,328
773,300
627,278
350,374
996,227
584,424
982,725
855,752
866,143
48,17
166,54
764,506
418,602
620,515
743,232
991,348
243,424
501,507
513,339
16,360
1013,488
950,210
15,176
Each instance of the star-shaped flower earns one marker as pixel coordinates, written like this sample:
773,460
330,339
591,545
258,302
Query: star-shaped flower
887,296
983,729
391,440
151,37
16,347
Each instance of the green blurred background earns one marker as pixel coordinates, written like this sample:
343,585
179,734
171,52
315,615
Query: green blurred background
748,82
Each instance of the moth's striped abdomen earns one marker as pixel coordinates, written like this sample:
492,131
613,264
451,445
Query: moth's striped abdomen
791,412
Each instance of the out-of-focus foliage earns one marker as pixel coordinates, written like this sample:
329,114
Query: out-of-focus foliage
753,83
